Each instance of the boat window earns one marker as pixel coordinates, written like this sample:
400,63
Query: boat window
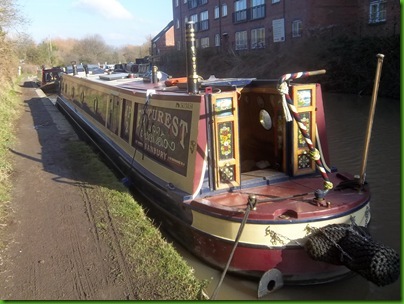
265,119
125,121
113,115
101,110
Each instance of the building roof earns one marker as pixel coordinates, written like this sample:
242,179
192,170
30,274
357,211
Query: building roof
159,35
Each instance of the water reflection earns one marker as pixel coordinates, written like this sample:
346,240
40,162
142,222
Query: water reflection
346,124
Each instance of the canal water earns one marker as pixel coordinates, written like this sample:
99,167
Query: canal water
347,117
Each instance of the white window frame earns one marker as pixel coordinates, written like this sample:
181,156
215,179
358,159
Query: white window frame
241,40
217,12
224,10
258,38
257,2
377,11
217,40
297,28
205,42
240,5
257,9
204,16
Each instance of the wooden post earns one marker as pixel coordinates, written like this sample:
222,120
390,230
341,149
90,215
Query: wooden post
370,119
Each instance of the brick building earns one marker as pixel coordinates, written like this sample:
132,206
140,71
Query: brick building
255,24
164,40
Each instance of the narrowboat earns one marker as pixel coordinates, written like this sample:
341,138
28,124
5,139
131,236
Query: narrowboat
49,78
238,169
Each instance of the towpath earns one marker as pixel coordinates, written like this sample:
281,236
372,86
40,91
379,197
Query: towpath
54,250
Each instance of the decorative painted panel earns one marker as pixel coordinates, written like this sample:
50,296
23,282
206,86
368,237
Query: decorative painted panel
224,107
305,119
304,98
226,138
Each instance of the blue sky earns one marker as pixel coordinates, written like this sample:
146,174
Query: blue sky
119,22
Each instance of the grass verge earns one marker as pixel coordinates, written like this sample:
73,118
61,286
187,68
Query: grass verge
159,271
10,110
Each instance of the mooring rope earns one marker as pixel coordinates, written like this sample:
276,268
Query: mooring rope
291,109
251,203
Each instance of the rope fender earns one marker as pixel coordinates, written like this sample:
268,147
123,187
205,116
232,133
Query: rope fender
353,247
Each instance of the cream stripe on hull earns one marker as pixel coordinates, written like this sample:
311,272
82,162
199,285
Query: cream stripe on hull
273,235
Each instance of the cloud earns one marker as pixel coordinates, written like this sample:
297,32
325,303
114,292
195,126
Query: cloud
110,9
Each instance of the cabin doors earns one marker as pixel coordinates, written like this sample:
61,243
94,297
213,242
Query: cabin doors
225,140
304,100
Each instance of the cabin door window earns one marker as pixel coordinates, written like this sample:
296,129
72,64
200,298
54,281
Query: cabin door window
225,140
304,100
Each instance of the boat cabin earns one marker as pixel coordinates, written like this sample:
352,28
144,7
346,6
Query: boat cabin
253,143
232,135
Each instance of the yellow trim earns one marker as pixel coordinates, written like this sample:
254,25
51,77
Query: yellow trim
228,165
271,235
296,88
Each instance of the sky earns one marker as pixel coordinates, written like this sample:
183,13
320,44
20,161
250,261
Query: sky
118,22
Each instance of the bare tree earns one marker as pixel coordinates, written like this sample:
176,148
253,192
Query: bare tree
91,49
9,17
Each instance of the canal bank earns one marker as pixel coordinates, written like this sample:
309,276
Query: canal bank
74,232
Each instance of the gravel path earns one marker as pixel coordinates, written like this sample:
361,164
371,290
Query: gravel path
55,251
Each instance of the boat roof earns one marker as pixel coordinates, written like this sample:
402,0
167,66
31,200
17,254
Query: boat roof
130,82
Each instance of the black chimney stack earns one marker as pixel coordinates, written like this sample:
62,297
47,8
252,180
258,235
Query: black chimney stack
74,66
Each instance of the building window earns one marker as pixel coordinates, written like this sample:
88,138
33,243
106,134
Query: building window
241,40
258,38
297,28
205,42
194,18
217,12
178,44
240,11
204,23
377,11
217,40
176,3
202,2
192,4
257,9
275,1
177,24
224,10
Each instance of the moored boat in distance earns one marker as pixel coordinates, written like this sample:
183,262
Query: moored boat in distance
232,179
48,78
